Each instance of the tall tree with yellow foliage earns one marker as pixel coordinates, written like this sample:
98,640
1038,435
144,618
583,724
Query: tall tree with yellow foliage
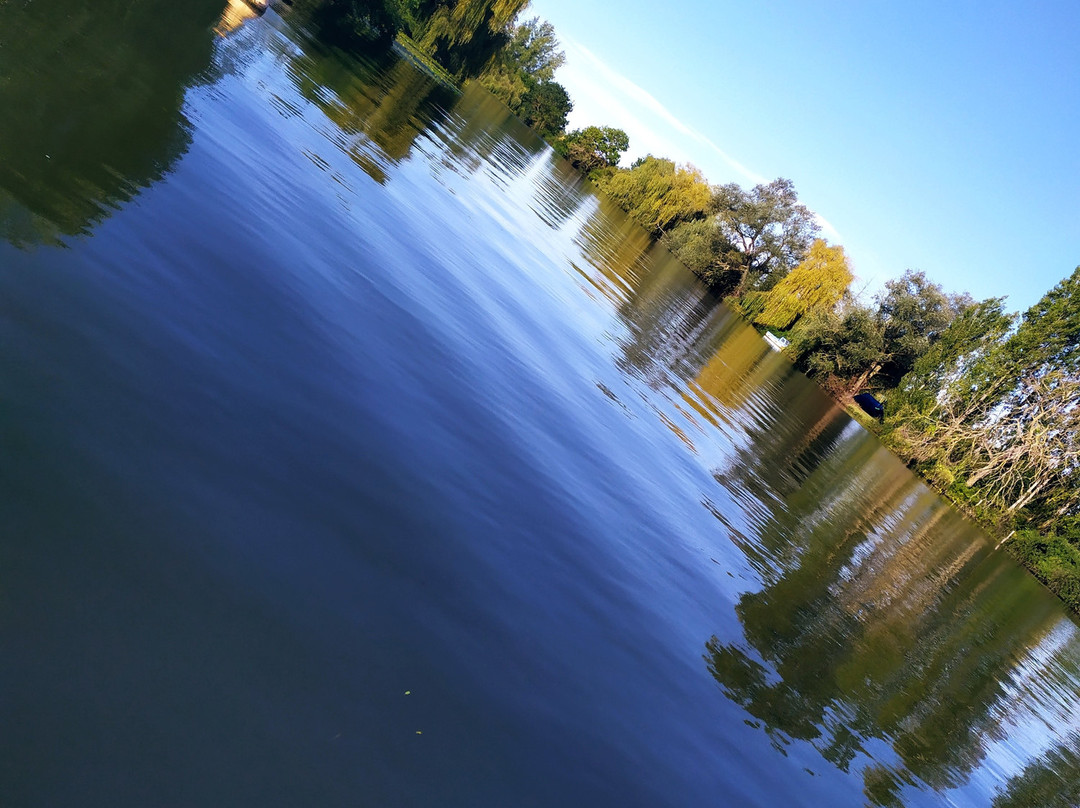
817,283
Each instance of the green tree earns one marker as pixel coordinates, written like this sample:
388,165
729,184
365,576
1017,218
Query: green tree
914,313
702,247
998,426
534,49
1050,332
975,332
593,147
1039,368
1048,337
530,57
545,108
874,347
769,228
816,284
843,350
658,194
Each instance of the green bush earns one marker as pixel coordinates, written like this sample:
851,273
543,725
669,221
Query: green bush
1054,559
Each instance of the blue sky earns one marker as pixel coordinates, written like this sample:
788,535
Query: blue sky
936,136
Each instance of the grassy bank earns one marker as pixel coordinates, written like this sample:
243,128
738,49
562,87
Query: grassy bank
1053,559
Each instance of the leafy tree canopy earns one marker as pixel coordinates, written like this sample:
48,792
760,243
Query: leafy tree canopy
1049,334
699,244
768,225
534,49
875,346
531,57
974,333
842,349
593,147
816,284
658,194
914,313
545,108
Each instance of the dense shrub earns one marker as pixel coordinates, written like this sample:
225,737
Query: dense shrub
1054,559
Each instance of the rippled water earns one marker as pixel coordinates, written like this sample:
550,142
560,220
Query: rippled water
355,453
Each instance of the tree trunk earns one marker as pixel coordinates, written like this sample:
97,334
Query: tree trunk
864,379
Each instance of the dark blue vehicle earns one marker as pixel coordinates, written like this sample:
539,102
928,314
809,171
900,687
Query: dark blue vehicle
870,405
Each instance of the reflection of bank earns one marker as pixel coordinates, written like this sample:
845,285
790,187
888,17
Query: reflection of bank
886,633
884,618
1051,780
708,363
382,105
673,322
99,90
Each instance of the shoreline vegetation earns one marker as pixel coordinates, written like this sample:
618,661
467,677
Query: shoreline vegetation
982,403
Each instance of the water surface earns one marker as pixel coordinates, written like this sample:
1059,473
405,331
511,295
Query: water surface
355,453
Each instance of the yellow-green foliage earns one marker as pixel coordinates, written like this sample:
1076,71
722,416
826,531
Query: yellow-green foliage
817,283
657,193
942,475
412,51
1055,560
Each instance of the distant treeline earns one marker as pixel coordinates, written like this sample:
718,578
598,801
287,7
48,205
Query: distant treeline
983,403
483,41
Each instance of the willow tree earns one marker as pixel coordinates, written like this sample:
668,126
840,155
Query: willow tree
658,194
464,36
816,284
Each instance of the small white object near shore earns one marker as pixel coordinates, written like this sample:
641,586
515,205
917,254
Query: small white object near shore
775,342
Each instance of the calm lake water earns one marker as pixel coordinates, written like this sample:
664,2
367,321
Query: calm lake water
354,453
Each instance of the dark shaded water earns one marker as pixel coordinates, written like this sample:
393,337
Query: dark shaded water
354,453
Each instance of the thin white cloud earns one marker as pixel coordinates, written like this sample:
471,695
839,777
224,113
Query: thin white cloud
826,227
596,87
603,96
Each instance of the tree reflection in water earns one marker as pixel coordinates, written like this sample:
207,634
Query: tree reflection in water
875,626
1052,781
99,90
